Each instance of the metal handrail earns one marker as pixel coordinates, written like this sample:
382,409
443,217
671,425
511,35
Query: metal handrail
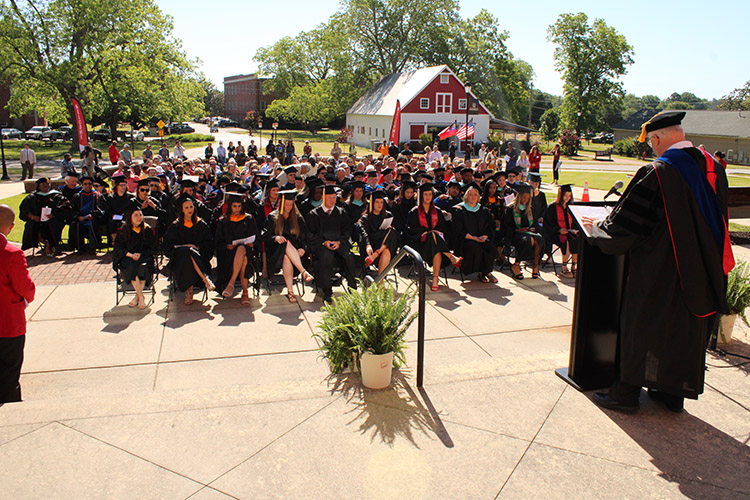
419,264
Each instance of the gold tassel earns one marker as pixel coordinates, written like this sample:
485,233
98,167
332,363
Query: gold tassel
281,201
642,138
371,197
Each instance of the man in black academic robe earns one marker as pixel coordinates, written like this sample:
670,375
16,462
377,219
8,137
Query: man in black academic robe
671,223
329,228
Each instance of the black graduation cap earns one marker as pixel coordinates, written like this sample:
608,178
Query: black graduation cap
102,182
387,170
405,176
73,174
271,184
232,187
313,182
500,173
187,183
372,173
357,184
41,180
378,194
143,182
454,182
288,194
223,179
427,176
533,176
290,169
487,181
662,120
86,178
330,188
330,178
515,171
471,185
262,176
487,172
464,170
409,184
117,179
427,186
439,168
358,173
242,189
566,188
153,178
523,188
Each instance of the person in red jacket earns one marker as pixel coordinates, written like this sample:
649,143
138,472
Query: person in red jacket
16,291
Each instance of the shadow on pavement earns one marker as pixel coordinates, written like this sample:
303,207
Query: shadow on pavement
689,451
392,412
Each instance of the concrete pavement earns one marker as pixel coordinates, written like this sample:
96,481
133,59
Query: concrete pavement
220,401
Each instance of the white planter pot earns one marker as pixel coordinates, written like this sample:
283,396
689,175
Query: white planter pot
376,370
725,327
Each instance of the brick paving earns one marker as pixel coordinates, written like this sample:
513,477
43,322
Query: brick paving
70,268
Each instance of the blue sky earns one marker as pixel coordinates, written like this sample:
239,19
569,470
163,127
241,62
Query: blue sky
700,47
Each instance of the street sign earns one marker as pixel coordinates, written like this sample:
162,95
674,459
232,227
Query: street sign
160,124
275,125
161,132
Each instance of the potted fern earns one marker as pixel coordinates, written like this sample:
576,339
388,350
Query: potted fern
738,299
366,327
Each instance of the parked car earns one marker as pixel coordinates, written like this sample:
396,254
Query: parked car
228,123
41,132
181,128
103,134
603,139
65,132
12,133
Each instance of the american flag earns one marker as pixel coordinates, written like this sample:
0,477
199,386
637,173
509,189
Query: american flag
463,133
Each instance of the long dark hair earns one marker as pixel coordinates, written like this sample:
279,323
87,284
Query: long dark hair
181,216
128,228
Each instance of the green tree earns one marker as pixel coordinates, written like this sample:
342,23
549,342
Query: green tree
650,101
102,52
310,105
549,125
213,102
738,99
591,57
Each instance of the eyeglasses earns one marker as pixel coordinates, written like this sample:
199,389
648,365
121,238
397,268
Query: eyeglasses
143,190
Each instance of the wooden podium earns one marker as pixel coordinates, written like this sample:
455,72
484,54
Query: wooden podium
596,311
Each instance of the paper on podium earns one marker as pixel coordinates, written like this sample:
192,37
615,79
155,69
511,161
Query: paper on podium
46,212
245,241
596,213
386,224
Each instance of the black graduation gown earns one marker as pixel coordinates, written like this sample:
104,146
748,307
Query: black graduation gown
180,257
228,231
478,257
354,212
401,211
85,204
336,226
306,206
275,252
427,244
143,243
538,206
50,230
521,240
662,339
114,210
370,233
552,228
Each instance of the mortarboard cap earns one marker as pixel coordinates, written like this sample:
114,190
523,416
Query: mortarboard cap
86,178
387,170
143,182
409,184
313,182
41,180
102,182
427,186
523,188
662,120
500,173
273,183
535,177
566,188
357,184
290,169
117,179
73,174
330,188
187,183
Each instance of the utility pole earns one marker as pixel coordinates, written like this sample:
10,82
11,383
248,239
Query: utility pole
2,152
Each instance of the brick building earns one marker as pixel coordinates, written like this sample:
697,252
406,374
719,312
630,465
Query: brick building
243,93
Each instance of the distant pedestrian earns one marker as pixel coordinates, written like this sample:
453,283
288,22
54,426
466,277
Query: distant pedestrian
556,164
67,166
126,155
28,162
209,151
114,153
16,291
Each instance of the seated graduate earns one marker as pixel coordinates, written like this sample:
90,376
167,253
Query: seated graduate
133,254
538,198
187,187
450,199
150,207
521,232
426,231
270,198
158,192
495,203
189,245
44,211
560,229
378,240
314,195
355,204
85,214
473,229
329,229
284,239
403,204
116,204
234,230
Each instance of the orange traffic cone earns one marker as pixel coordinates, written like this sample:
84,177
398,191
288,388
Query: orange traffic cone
585,196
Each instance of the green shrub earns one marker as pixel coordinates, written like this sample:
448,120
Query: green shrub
191,138
569,142
368,319
425,140
631,147
738,289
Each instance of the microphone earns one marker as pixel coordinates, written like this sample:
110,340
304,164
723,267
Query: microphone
614,190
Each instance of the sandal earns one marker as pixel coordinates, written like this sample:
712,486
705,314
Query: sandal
142,303
516,275
458,262
491,278
189,296
245,298
483,278
290,297
534,276
535,272
228,291
435,288
133,302
307,277
209,285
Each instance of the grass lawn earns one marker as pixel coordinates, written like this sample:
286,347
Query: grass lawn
13,202
605,180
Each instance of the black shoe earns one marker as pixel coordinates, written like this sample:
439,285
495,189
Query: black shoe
673,403
328,298
603,400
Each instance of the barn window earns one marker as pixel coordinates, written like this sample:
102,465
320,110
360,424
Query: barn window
444,78
462,104
424,103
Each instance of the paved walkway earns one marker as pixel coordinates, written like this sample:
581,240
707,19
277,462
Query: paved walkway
219,401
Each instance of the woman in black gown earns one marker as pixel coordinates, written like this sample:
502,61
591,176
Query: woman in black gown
378,242
402,205
521,232
189,246
426,232
231,257
474,231
133,254
559,228
115,205
283,240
